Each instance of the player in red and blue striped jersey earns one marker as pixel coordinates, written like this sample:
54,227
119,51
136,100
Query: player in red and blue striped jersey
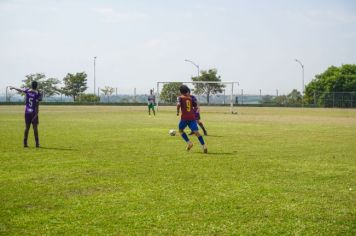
186,105
197,115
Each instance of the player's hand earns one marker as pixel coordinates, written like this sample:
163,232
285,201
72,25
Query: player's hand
11,88
177,113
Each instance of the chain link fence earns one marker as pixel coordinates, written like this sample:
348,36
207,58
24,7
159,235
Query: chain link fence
241,98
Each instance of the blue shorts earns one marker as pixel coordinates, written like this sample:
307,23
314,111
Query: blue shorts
192,124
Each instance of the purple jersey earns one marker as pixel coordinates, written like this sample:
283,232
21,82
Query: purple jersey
32,99
196,108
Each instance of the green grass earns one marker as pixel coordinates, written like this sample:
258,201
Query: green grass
114,170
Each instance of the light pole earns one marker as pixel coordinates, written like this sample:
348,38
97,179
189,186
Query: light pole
195,64
301,64
94,75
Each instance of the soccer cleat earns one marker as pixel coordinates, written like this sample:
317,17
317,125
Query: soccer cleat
205,149
25,146
37,145
190,145
191,133
205,133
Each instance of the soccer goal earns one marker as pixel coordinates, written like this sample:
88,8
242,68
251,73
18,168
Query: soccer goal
208,93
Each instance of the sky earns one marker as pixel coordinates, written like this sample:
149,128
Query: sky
140,42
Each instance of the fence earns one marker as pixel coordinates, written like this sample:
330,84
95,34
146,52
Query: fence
335,99
257,98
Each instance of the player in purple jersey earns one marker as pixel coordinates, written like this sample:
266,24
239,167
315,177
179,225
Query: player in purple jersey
32,99
197,115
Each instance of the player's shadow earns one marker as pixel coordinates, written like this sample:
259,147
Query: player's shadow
221,153
214,136
59,148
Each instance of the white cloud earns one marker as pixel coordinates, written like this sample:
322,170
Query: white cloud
109,15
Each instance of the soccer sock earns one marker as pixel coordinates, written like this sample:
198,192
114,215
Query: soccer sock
185,137
25,136
201,140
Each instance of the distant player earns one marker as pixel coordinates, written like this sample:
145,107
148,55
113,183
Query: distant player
197,115
32,99
151,103
186,104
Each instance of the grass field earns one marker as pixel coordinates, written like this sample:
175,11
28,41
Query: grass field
114,170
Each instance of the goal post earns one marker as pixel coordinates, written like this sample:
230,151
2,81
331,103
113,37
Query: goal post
229,85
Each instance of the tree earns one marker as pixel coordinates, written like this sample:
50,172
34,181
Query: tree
88,98
107,91
208,89
294,98
48,86
281,100
267,99
74,84
170,91
38,77
334,79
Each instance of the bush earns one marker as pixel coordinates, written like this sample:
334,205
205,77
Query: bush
88,98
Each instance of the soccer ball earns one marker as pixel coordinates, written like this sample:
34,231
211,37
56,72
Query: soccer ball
172,132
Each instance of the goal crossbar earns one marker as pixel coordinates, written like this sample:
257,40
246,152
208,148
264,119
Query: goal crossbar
200,82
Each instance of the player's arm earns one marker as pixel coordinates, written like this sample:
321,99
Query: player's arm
178,108
40,96
196,104
178,105
17,89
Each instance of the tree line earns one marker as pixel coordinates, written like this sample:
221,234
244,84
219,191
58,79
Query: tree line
334,85
73,85
338,82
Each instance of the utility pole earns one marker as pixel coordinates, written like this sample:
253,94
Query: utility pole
302,65
195,64
95,75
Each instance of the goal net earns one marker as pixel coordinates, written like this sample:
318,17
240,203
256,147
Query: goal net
207,93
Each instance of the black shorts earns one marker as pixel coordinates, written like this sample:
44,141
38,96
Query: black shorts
31,118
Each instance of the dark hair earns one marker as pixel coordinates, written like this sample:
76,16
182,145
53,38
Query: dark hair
183,89
34,84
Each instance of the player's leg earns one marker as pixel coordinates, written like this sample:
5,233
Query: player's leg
28,119
196,118
35,130
194,127
153,110
149,110
202,127
181,127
